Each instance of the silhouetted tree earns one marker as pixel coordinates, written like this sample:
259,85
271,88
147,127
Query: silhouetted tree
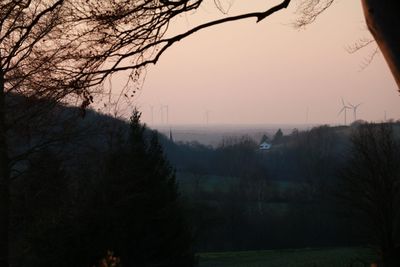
58,49
371,187
61,49
264,138
139,215
278,136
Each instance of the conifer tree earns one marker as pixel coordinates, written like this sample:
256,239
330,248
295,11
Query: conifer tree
139,214
278,136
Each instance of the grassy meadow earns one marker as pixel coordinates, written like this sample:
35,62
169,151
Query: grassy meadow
310,257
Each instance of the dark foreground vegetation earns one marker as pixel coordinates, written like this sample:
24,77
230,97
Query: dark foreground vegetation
82,187
70,191
107,187
328,186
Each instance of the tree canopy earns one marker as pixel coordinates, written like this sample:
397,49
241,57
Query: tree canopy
370,187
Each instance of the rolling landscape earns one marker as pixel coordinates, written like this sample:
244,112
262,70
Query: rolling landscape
199,133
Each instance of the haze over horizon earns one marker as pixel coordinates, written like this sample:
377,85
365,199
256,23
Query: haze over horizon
268,72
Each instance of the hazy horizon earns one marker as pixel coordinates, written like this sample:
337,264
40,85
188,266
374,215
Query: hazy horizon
214,134
262,73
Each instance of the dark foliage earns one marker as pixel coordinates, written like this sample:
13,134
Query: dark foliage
278,136
113,189
124,200
371,187
243,198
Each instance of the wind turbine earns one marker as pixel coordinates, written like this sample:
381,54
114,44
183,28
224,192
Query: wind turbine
344,108
162,113
167,108
354,107
164,116
207,116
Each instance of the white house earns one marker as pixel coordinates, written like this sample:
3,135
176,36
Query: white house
265,146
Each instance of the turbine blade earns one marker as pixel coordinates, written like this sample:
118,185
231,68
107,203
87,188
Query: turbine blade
341,110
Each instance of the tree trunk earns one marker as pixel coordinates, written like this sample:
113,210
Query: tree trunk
383,21
4,181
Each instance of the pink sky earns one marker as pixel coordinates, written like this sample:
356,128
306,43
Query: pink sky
248,73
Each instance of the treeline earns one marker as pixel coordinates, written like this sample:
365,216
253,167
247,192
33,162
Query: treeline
295,157
285,197
108,187
83,187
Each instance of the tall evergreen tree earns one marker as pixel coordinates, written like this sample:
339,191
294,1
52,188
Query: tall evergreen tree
172,232
278,136
138,211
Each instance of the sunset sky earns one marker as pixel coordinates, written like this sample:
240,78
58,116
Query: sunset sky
270,72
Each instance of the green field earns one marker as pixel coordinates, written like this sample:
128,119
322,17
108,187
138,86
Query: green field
327,257
211,183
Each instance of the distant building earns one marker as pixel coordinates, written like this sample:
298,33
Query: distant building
265,146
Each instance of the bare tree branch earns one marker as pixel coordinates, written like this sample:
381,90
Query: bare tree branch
362,44
309,10
166,43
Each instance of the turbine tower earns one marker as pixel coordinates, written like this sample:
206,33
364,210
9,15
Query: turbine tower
207,116
354,107
167,109
164,116
344,109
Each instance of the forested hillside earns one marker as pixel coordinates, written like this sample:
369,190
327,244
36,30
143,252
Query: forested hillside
290,196
85,186
97,183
